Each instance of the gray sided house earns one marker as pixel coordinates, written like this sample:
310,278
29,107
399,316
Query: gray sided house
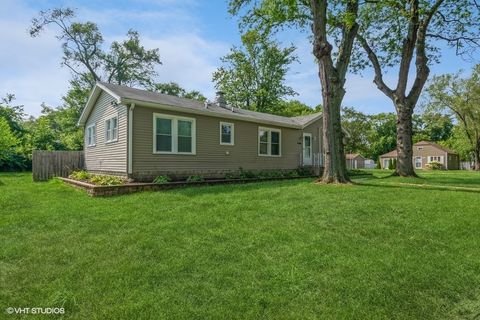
425,152
141,134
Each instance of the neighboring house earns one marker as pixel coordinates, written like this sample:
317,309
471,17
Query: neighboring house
425,152
355,161
370,164
142,134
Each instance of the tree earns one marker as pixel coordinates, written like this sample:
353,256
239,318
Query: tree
400,32
253,77
293,108
382,134
432,126
127,62
316,17
358,125
8,143
174,89
460,97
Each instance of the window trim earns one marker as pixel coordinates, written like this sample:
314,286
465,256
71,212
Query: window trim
94,125
232,134
174,135
107,120
440,159
269,145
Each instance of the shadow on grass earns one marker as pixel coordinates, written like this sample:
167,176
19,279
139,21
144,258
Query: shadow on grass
235,187
418,186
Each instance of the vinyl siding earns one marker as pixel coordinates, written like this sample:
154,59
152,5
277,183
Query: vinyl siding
427,151
211,158
107,157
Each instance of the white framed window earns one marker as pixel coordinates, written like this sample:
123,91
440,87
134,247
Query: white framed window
227,133
91,135
173,134
111,129
269,142
418,162
435,159
419,148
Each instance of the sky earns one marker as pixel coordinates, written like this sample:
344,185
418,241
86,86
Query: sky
191,36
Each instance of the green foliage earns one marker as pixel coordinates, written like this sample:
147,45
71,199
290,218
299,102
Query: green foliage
394,163
162,179
253,77
293,108
174,89
8,145
195,178
304,171
106,180
270,174
80,175
434,165
378,165
246,174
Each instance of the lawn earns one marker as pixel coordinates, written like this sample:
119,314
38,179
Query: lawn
271,250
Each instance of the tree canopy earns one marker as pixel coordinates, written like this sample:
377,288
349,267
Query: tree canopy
253,76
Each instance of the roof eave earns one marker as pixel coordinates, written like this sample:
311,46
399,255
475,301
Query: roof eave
91,102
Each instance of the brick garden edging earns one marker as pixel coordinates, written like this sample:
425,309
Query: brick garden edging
102,191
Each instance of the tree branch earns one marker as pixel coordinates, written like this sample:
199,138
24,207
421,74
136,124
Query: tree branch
381,85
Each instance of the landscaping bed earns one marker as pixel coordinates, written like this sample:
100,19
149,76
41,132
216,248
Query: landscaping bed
103,185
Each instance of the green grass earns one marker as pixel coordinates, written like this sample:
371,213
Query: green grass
271,250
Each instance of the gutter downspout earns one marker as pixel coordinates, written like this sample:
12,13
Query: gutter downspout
446,160
130,139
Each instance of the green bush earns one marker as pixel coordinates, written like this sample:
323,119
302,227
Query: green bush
394,163
270,174
162,179
104,180
304,171
378,166
80,175
232,176
434,165
246,174
195,178
292,174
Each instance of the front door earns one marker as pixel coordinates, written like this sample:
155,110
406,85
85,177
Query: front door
307,149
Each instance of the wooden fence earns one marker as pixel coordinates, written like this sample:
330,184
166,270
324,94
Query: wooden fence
49,164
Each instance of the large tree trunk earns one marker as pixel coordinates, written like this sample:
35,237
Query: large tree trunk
404,142
334,165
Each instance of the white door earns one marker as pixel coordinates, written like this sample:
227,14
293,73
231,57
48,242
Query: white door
307,149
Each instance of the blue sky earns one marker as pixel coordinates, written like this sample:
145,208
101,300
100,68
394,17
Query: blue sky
191,35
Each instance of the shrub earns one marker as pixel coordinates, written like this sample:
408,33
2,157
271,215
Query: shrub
246,174
304,171
434,165
162,179
292,174
104,180
394,163
231,176
80,175
195,179
378,166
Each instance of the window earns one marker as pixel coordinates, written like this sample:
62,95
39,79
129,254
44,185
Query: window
111,129
419,148
226,133
434,159
172,134
418,162
385,163
269,142
91,135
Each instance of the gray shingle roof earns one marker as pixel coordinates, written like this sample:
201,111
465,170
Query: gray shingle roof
186,105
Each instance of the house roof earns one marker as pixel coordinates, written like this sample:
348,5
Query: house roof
393,153
424,143
350,156
126,95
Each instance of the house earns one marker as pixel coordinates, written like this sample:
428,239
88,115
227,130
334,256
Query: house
355,161
141,134
425,152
